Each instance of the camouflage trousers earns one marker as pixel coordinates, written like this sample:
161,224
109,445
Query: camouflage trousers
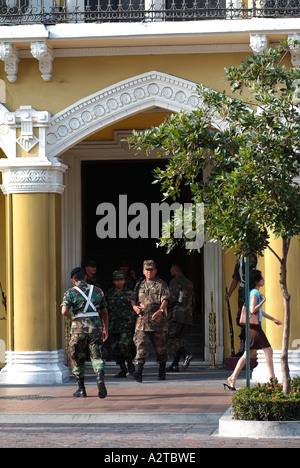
121,345
142,341
177,335
80,344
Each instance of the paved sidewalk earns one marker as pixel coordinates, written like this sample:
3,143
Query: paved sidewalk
183,397
181,412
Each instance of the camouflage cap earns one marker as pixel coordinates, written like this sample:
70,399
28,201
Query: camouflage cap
149,265
118,274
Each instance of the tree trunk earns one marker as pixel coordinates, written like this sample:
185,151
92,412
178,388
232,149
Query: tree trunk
286,323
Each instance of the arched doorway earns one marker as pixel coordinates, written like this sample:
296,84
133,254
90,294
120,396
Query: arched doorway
71,136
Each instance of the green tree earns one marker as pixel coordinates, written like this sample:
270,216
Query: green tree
249,152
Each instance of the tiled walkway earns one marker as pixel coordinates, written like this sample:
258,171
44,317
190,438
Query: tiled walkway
185,396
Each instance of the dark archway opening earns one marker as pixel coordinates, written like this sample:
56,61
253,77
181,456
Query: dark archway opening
116,188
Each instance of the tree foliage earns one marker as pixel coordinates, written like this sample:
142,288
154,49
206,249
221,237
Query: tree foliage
252,149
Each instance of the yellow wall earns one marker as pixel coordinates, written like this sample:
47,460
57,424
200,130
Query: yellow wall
274,303
75,78
294,287
135,121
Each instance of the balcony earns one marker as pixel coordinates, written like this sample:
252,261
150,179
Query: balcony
23,12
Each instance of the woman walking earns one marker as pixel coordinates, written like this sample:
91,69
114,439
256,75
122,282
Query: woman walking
257,339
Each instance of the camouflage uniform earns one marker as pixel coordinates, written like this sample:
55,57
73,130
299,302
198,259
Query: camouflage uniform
149,295
94,280
130,282
86,332
180,311
120,324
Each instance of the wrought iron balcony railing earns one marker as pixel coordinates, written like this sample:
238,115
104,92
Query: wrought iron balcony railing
16,12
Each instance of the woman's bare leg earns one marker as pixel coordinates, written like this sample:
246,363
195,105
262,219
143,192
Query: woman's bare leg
239,366
269,361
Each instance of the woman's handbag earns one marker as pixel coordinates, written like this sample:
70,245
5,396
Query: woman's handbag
253,318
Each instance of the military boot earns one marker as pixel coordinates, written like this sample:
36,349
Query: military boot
102,392
174,367
162,371
80,392
130,366
123,371
187,359
137,374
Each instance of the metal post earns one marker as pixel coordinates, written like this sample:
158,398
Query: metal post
212,333
247,322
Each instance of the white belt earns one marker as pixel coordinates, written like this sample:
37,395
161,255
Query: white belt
88,303
86,314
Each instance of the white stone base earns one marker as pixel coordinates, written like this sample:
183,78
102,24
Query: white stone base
260,373
229,427
34,368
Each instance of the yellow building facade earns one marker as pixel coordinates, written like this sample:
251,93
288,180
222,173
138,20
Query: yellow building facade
71,93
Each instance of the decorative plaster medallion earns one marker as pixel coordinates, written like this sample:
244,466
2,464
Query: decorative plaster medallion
27,142
258,42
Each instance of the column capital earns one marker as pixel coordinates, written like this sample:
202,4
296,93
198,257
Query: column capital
32,177
27,169
17,130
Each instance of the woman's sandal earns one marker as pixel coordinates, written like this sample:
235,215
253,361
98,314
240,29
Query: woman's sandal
230,387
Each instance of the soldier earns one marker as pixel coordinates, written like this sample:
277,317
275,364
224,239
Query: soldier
86,302
90,267
130,275
120,323
239,277
180,316
149,301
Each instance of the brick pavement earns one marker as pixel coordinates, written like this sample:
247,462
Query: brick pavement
129,437
183,412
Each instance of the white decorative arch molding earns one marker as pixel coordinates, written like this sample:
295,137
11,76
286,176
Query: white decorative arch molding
116,102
